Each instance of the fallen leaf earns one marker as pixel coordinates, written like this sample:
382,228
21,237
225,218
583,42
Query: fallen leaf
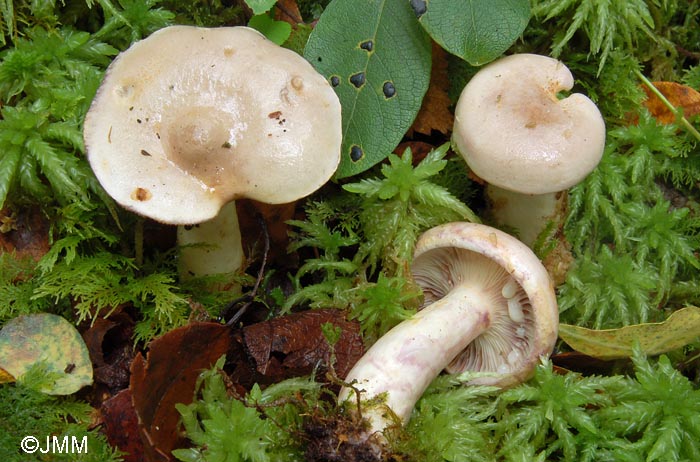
435,113
680,96
6,377
109,342
419,149
681,328
167,376
120,425
294,345
49,339
288,10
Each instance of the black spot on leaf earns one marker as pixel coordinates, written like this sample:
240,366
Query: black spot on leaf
358,79
419,7
389,90
356,153
367,45
335,80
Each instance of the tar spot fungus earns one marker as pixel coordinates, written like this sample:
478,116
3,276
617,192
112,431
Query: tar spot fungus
335,80
367,45
356,153
389,90
145,153
358,79
419,7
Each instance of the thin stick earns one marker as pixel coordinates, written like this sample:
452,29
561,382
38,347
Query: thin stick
674,110
249,297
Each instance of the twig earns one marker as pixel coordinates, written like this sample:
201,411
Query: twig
687,53
674,110
250,296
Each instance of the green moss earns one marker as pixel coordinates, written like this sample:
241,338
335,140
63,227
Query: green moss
26,412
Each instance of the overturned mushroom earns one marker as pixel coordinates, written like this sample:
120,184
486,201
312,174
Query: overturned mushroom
515,132
489,307
190,119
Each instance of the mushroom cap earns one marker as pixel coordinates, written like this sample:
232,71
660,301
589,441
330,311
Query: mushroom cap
515,133
524,316
191,118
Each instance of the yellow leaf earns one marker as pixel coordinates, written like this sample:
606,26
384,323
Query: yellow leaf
680,96
681,328
6,377
46,338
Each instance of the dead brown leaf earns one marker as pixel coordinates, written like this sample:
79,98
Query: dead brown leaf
262,353
294,345
288,11
109,342
120,425
419,149
435,111
167,376
680,96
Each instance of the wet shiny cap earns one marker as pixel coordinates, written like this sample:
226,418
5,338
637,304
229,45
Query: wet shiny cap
191,118
515,132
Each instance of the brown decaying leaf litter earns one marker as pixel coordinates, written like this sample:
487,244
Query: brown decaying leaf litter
263,353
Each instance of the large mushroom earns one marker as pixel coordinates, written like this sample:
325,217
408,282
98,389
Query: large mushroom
489,307
528,143
191,118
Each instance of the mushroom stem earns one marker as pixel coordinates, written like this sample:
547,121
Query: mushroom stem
211,247
489,307
527,214
403,362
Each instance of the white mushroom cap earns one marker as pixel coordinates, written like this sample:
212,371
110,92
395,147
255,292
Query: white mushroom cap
516,134
516,292
192,118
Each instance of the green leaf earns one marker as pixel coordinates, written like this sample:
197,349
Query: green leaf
377,57
477,31
681,328
260,6
276,31
50,340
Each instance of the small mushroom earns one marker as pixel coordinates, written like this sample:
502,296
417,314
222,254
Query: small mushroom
517,134
489,307
191,118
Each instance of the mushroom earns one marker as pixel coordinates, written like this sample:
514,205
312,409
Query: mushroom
191,118
489,307
530,145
